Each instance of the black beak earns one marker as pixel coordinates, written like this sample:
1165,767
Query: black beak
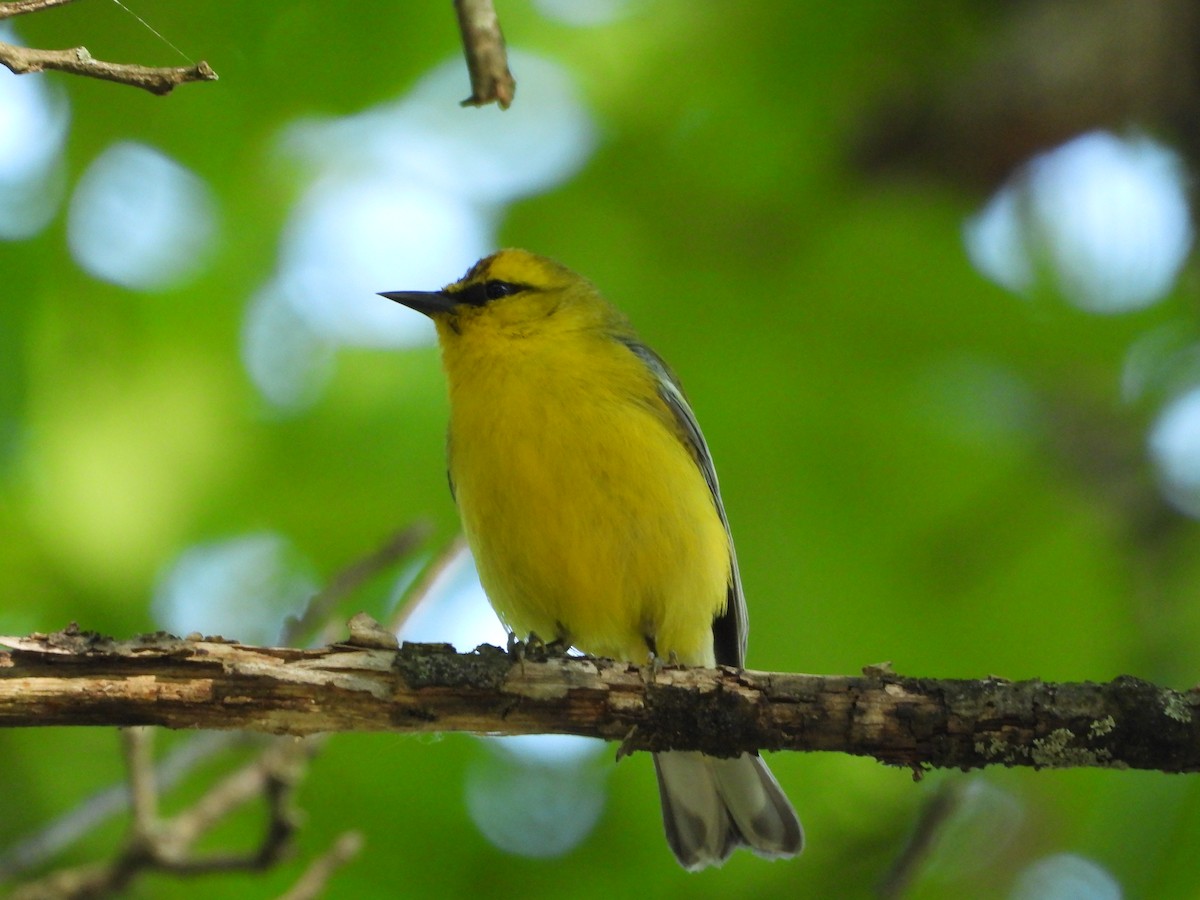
427,302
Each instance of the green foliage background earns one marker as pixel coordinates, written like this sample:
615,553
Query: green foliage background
918,466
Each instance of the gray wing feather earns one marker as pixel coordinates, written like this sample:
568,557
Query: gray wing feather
731,627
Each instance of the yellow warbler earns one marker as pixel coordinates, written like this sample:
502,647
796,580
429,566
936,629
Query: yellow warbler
590,502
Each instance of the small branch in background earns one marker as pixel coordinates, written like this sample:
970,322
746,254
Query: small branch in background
351,578
420,591
274,775
22,7
904,871
487,58
146,781
165,845
312,883
78,61
138,743
43,845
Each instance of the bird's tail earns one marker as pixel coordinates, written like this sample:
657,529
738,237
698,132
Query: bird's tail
711,806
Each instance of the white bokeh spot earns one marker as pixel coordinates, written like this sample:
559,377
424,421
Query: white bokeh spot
34,118
243,587
1103,220
141,220
286,360
1175,448
406,196
1065,876
347,240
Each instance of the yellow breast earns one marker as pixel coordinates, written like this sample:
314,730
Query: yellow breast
587,516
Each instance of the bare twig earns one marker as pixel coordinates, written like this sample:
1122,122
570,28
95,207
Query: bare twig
273,775
166,845
420,591
143,793
78,61
312,883
21,7
72,678
349,579
907,866
38,848
487,58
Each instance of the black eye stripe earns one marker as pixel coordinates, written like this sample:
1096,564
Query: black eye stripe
483,292
494,290
472,294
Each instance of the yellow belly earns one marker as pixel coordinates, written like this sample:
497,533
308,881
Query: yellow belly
588,519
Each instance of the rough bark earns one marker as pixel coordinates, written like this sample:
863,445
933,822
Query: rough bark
76,678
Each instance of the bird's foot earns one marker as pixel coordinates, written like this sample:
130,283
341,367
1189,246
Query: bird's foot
534,648
655,664
516,648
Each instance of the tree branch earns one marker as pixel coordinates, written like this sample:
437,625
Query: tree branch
76,678
319,609
78,61
487,57
146,781
22,7
39,847
315,879
156,844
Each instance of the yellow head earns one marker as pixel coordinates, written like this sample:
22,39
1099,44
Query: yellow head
513,293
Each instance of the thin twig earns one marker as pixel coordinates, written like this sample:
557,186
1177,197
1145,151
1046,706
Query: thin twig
37,849
312,883
78,61
321,606
273,775
907,866
21,7
487,58
167,846
420,591
138,743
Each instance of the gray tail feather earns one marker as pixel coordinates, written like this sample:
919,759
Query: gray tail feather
711,806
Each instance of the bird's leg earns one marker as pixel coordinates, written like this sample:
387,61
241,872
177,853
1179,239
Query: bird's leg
561,643
533,647
534,644
654,663
516,648
626,747
557,647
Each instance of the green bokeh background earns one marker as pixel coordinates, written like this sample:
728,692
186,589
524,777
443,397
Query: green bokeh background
918,466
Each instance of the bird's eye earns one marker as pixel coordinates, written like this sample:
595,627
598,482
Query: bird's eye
494,290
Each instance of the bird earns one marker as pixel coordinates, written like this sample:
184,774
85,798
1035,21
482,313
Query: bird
590,503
